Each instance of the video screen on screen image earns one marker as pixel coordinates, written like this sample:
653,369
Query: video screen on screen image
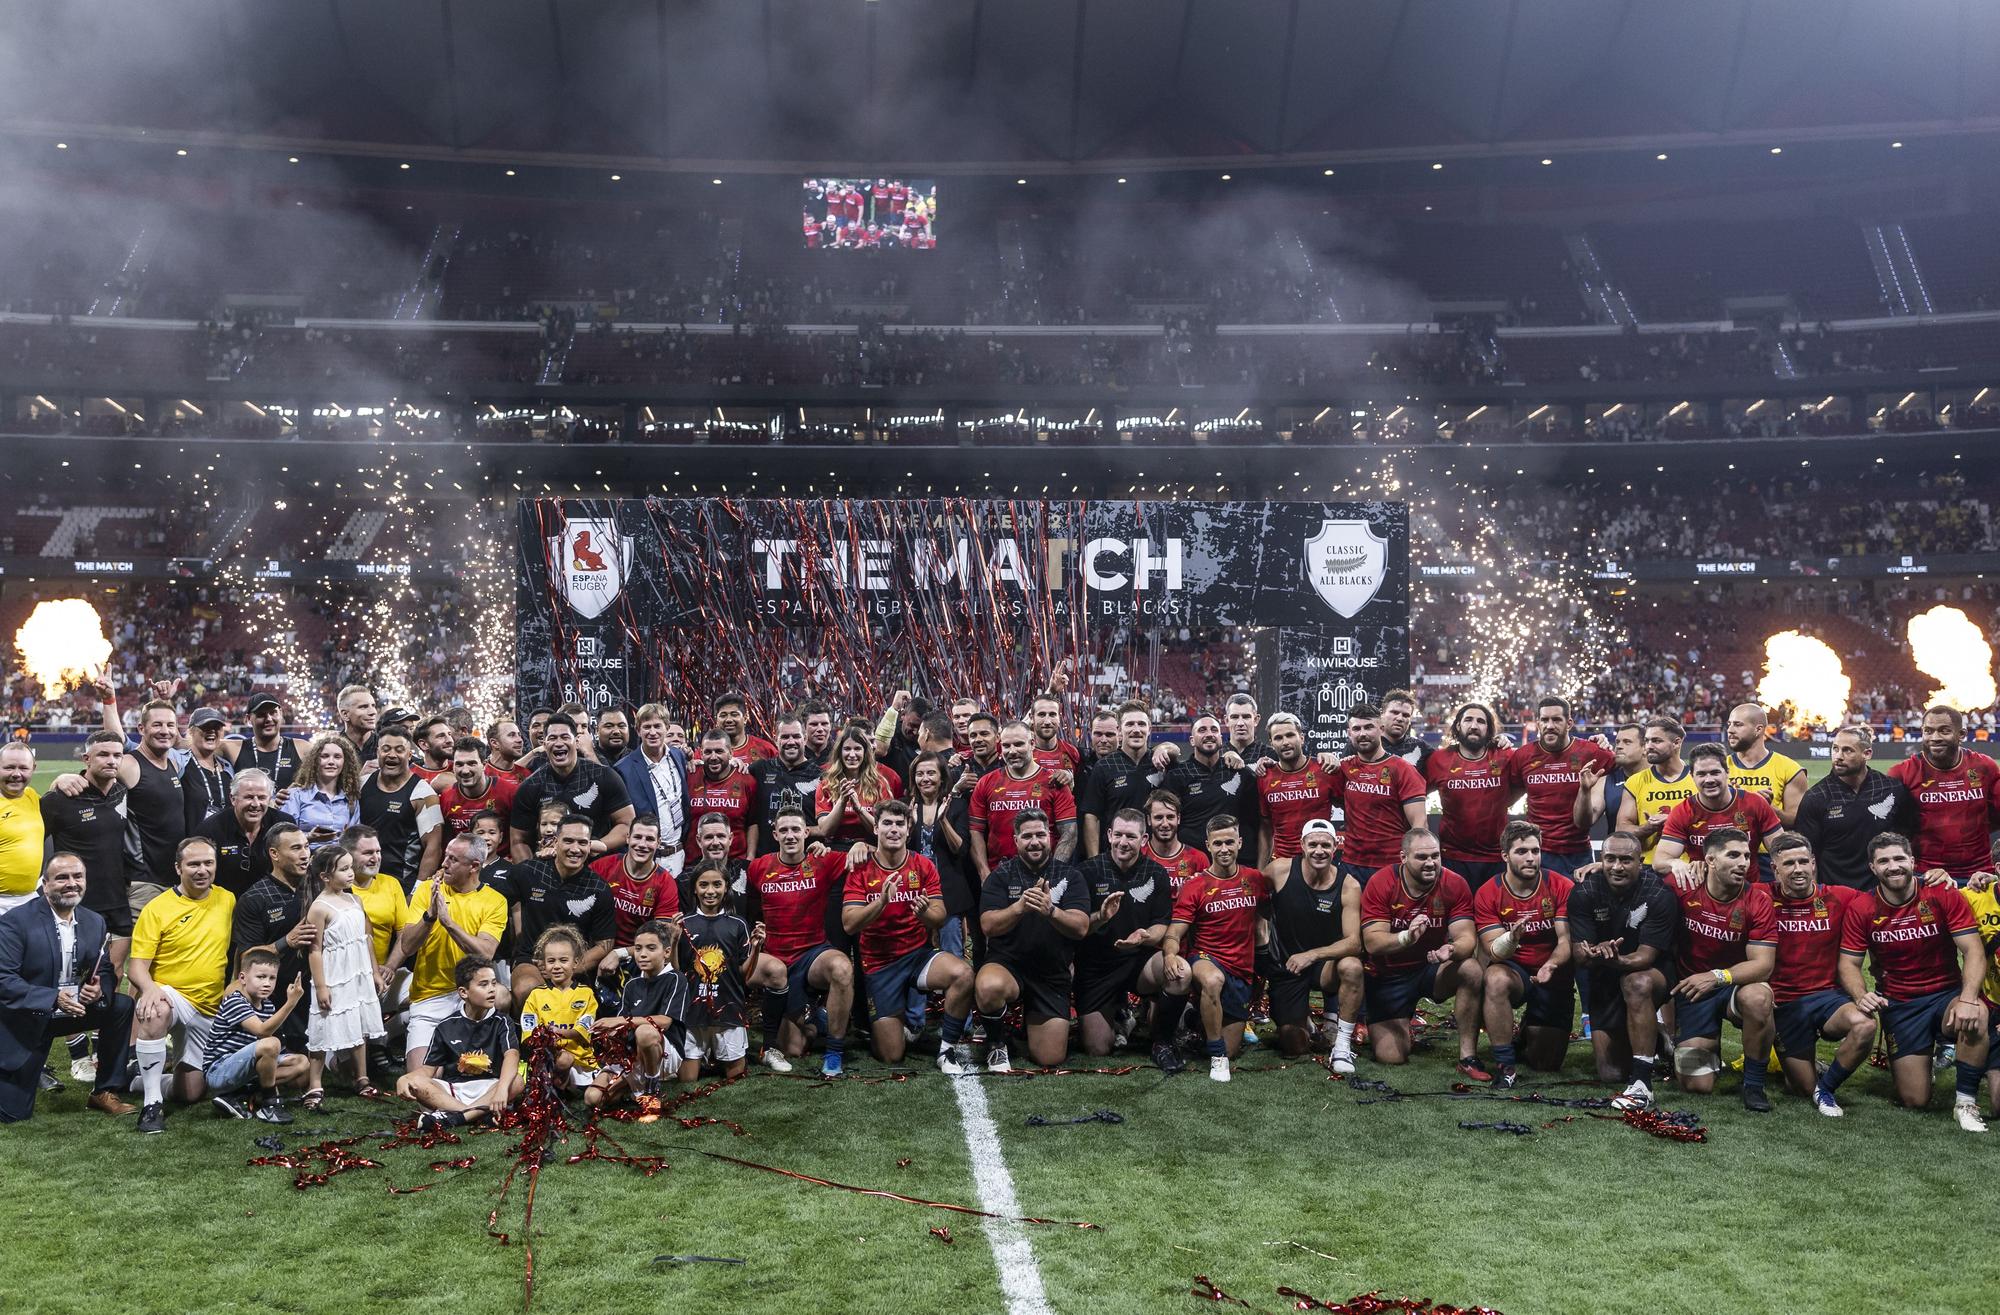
856,214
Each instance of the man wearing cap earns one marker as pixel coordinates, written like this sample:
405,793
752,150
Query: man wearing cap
268,748
400,719
205,776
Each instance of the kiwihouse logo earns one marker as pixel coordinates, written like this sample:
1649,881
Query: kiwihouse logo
1345,562
592,562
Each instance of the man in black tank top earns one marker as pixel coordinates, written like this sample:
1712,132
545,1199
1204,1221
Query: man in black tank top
403,809
268,749
1315,945
155,805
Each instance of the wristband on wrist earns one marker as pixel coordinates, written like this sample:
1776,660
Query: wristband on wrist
1405,938
1724,977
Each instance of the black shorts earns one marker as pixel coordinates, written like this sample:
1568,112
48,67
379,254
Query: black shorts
798,993
1801,1021
1102,985
1551,1005
1291,993
1603,989
1235,994
117,921
1393,998
1042,997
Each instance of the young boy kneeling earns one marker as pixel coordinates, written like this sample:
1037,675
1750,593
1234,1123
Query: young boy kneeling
472,1070
243,1043
651,1006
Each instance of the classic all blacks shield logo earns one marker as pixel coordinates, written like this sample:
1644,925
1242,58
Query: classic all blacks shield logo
590,561
1345,563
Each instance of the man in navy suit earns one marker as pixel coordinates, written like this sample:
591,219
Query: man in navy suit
56,978
655,776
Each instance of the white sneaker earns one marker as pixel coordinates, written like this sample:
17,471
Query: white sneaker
1218,1068
1343,1061
85,1069
955,1061
1824,1102
774,1059
1967,1114
1637,1096
997,1060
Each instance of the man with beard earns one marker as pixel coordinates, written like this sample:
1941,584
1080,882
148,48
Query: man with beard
1624,923
1211,780
1210,949
1022,786
588,788
90,824
1603,793
403,809
1956,797
1034,908
1164,845
614,735
1315,945
155,804
472,789
892,905
1417,931
1717,804
243,856
896,736
1652,792
791,893
1729,944
790,779
1929,963
656,781
1754,766
563,889
1399,709
723,788
1522,920
387,910
731,714
1051,749
434,742
504,747
57,979
1549,772
1295,791
1383,798
271,915
1131,902
1122,780
268,749
1809,1005
1470,777
1849,807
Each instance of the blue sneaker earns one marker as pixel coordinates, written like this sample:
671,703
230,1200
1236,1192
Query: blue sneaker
831,1066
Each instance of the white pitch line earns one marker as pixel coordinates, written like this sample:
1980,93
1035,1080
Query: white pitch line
1020,1277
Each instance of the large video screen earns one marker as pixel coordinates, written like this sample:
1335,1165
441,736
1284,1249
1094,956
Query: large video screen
870,214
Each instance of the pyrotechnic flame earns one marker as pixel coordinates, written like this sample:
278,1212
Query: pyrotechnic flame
1948,647
62,643
1803,682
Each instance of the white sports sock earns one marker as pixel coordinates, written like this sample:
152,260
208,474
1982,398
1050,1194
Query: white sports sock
152,1065
1344,1035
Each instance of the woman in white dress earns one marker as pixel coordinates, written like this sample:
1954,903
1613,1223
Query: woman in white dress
347,1005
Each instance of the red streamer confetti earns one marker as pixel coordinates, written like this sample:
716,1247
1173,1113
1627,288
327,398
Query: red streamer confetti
942,1234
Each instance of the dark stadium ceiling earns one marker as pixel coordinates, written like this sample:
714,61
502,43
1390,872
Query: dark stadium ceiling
977,86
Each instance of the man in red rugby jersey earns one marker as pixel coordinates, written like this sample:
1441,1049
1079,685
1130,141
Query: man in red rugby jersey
1929,963
1210,948
1296,791
1548,772
1715,804
1522,920
789,892
1051,749
505,746
641,889
1021,784
1417,933
1383,797
1956,798
471,787
1470,777
732,717
894,903
1163,840
1729,945
721,786
1810,1006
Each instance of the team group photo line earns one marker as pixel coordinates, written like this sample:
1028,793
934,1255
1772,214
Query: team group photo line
229,916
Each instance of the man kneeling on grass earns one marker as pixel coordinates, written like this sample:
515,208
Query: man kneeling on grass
472,1069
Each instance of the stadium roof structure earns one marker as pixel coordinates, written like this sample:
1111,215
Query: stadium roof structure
977,86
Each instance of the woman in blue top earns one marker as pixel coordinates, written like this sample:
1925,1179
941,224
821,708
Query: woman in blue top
325,798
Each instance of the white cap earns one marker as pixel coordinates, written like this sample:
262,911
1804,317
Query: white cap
1319,826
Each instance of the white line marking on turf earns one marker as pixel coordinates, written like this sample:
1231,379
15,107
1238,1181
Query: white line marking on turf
1013,1255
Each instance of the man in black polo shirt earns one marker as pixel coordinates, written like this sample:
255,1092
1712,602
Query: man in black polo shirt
271,914
1131,903
786,781
1034,909
1840,814
1399,709
562,889
1211,780
1120,780
589,788
403,809
91,825
242,857
1624,924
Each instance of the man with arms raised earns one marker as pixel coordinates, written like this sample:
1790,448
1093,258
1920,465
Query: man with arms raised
1034,908
1849,807
179,963
1383,798
1729,944
1549,772
1928,962
1417,930
790,892
1717,804
1523,925
1956,798
1470,777
1210,948
1296,791
1131,902
1315,944
893,903
1810,1006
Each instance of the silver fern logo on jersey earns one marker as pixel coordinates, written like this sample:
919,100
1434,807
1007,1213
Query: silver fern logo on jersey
1346,563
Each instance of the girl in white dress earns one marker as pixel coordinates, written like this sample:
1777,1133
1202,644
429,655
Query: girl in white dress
347,1006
